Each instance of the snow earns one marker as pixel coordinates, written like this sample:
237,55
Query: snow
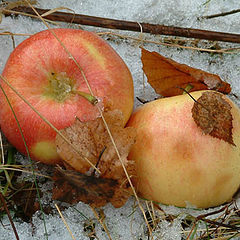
127,222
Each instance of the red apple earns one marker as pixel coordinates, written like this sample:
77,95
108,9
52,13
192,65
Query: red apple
178,164
44,74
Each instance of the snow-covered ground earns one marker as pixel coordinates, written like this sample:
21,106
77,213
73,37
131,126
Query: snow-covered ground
127,222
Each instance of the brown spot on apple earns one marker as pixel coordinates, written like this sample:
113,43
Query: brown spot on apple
195,176
182,148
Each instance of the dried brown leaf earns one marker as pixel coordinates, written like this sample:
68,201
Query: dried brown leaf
93,142
167,77
72,187
213,115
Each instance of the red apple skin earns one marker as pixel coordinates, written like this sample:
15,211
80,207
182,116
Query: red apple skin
28,69
177,164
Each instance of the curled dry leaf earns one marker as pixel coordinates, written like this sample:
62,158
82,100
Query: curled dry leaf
93,142
167,77
213,115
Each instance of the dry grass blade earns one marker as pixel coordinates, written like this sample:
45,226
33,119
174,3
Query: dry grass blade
9,216
224,226
100,111
12,168
64,221
226,51
14,34
221,14
124,168
25,14
55,10
2,152
44,119
101,222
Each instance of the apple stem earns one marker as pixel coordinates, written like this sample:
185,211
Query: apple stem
93,100
188,88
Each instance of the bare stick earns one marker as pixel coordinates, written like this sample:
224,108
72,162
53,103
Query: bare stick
128,25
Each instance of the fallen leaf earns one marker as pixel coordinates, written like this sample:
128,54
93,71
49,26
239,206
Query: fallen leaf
93,142
71,187
213,115
167,77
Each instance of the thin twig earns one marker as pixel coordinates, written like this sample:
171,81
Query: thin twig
9,216
130,26
220,14
225,50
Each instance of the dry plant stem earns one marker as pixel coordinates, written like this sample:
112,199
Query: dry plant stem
64,221
25,171
221,14
9,216
132,26
100,111
153,214
46,121
227,50
8,12
81,71
15,34
2,152
101,222
212,222
125,171
63,46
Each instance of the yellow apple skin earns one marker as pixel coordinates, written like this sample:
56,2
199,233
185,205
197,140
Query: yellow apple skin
177,164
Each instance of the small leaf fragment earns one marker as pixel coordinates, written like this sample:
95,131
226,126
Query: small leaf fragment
94,143
212,113
167,77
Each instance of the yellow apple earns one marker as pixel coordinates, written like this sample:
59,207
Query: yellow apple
177,163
